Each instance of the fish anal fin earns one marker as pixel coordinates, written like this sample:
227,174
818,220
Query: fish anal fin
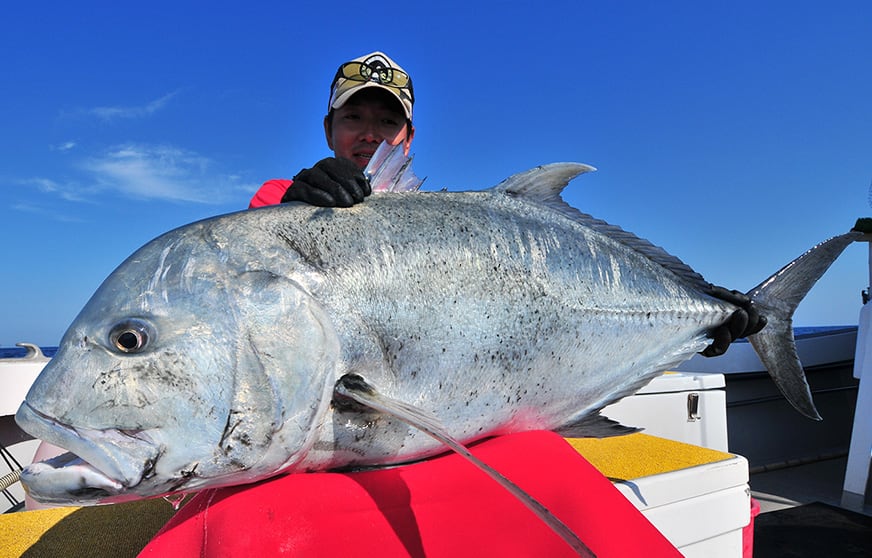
595,426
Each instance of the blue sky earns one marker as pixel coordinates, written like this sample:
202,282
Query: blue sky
734,134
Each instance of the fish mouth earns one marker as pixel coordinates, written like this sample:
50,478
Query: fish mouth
101,466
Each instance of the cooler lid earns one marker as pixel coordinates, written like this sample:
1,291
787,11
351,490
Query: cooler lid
671,382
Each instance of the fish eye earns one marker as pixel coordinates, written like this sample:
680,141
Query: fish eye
130,336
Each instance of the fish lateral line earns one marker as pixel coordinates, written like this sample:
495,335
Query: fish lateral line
357,389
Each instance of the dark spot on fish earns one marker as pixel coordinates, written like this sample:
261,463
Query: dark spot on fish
229,427
310,254
188,473
185,476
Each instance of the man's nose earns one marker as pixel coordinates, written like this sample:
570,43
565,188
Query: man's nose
370,132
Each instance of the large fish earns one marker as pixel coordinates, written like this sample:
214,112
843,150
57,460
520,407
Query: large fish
241,346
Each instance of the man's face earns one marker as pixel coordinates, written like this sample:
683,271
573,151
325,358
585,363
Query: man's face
363,122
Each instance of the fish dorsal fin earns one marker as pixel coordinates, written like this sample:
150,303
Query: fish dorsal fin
544,184
356,388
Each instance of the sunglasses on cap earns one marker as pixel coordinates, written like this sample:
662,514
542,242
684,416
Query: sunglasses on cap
384,75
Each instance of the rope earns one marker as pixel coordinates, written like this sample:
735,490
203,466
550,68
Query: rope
9,479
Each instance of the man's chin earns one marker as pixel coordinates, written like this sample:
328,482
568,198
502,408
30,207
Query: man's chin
361,160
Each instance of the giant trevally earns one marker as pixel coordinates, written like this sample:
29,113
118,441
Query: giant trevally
240,346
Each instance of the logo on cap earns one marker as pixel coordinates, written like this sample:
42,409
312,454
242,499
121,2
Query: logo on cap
372,70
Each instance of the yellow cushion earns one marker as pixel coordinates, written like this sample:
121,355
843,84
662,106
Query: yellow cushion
642,455
124,529
115,530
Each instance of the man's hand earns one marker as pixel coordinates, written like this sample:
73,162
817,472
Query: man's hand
744,322
332,182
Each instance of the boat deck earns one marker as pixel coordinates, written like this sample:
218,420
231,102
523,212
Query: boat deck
787,487
803,515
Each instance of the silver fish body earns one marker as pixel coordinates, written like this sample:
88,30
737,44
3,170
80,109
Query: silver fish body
210,356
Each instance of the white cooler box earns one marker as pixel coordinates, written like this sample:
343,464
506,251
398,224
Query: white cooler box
683,406
697,497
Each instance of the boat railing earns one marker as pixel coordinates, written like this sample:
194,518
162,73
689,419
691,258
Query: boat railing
860,451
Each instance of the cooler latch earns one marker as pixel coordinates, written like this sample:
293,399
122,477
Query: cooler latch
693,407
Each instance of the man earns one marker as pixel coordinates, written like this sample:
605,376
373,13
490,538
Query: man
371,100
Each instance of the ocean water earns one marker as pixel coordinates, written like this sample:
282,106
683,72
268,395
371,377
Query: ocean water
18,352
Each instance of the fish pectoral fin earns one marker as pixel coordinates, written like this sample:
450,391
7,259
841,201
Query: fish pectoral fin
352,387
595,426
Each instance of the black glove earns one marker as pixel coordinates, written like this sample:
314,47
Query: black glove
744,322
332,182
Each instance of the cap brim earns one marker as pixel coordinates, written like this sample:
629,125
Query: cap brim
357,87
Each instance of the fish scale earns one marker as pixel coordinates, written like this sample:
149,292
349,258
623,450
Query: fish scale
538,300
240,340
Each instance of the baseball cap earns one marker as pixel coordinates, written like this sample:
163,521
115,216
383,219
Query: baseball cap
372,70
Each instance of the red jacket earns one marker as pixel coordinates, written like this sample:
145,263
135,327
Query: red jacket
270,193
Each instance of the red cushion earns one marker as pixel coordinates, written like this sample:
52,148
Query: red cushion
441,507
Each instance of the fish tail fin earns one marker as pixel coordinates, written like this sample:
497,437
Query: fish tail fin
777,298
390,170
